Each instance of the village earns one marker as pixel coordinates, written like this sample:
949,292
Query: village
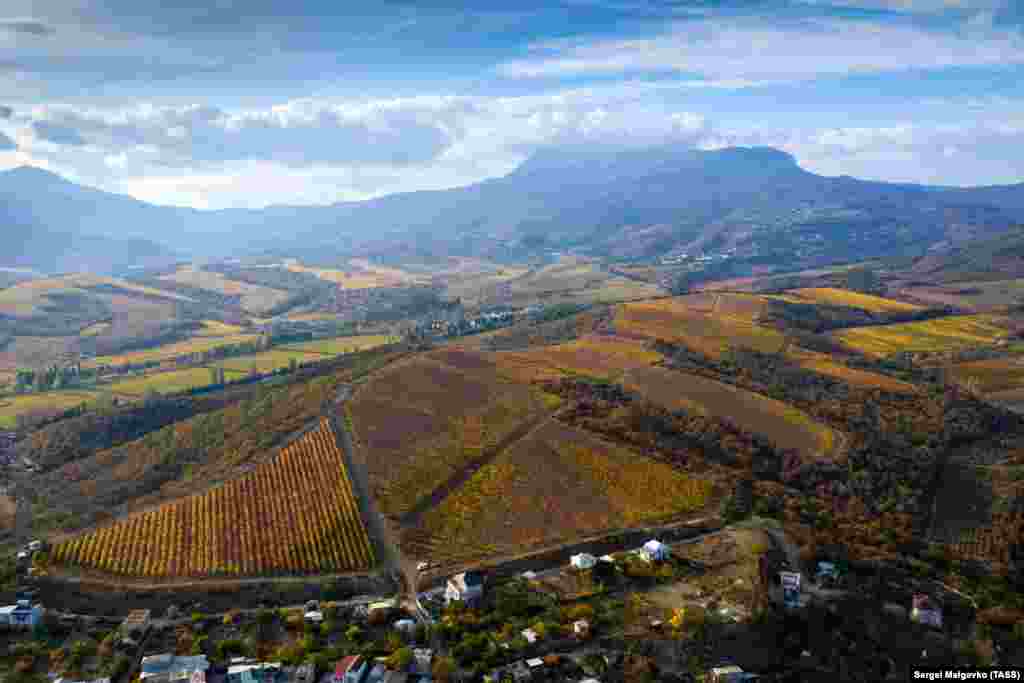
732,604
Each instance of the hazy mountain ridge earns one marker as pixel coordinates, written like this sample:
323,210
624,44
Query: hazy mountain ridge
632,203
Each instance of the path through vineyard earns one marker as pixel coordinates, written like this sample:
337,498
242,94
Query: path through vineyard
385,542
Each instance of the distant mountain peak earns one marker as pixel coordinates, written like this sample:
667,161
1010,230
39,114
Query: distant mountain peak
27,173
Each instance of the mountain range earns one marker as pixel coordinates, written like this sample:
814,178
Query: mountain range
755,204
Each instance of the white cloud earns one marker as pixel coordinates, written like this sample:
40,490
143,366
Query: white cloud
751,50
210,157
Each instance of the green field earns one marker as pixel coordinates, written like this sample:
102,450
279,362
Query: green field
266,361
163,382
49,402
339,345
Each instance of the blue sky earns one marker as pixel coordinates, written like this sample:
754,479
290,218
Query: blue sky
218,103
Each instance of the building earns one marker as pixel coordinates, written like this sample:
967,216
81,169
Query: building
654,551
467,587
396,677
583,561
535,666
530,635
314,617
926,610
405,626
726,674
249,671
305,674
164,668
22,614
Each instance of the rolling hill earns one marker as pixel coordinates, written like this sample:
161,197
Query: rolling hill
641,203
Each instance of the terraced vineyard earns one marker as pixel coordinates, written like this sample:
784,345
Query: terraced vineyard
844,297
296,514
993,542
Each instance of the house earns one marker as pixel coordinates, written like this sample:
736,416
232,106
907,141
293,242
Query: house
396,677
305,674
530,635
168,667
583,561
654,551
314,617
607,558
22,614
535,666
581,628
467,587
253,672
71,680
725,674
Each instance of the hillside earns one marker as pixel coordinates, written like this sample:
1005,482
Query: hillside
755,204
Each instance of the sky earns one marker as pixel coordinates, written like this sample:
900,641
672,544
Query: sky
249,103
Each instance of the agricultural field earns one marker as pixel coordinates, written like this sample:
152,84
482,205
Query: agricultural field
843,297
362,275
32,296
591,355
339,345
555,485
254,298
991,376
937,335
48,403
571,280
267,361
216,328
823,365
294,514
163,382
973,296
197,344
782,424
418,422
707,323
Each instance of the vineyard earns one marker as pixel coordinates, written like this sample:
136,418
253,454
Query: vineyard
940,334
555,485
295,514
844,297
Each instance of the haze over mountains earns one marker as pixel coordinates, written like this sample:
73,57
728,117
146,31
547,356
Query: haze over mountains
640,203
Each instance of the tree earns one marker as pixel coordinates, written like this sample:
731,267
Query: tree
400,659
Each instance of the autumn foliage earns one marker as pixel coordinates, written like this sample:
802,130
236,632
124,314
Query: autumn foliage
296,513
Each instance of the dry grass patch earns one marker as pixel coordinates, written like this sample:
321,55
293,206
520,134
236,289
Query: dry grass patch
937,335
339,345
553,486
781,423
362,275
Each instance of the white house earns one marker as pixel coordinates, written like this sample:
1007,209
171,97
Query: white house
607,558
654,551
530,635
467,587
23,614
583,561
